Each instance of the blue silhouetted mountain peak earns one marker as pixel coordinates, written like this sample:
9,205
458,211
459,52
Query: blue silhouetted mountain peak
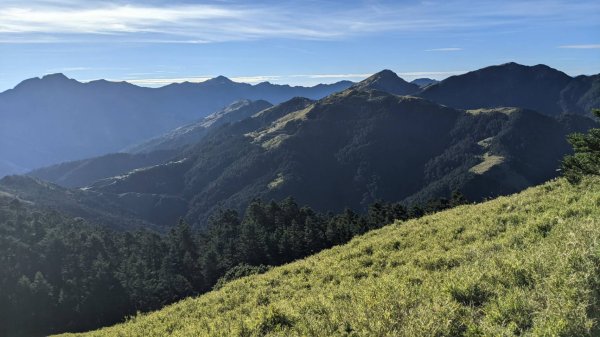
46,81
219,80
55,77
424,82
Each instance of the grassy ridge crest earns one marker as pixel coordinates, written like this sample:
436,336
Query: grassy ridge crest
527,264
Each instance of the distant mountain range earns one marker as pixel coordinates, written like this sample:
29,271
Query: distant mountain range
357,146
54,119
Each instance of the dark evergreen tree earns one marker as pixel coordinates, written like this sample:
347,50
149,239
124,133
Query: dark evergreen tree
457,199
586,157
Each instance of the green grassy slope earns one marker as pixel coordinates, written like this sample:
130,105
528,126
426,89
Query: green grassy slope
527,264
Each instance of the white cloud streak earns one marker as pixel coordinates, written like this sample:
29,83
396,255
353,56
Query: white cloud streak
342,76
166,24
581,46
195,79
445,49
43,21
110,19
434,74
255,79
151,82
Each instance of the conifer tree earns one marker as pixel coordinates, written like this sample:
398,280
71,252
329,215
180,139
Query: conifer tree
586,157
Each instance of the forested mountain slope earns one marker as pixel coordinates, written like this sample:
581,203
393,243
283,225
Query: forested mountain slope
62,273
518,265
353,148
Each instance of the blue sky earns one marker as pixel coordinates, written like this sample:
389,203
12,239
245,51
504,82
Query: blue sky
157,42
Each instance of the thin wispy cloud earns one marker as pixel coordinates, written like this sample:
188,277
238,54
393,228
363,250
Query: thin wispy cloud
581,46
169,23
110,19
74,21
255,79
434,74
445,49
334,76
152,82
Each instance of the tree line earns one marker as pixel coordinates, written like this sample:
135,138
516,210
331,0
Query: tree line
62,274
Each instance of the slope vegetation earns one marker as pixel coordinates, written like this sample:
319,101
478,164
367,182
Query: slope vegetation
526,264
353,148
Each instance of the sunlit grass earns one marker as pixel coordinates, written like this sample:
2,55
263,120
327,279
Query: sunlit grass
527,264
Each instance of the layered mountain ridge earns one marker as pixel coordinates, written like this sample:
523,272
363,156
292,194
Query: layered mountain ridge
53,119
364,144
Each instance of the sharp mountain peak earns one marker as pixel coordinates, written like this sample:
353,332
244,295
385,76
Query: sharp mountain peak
386,73
219,80
388,81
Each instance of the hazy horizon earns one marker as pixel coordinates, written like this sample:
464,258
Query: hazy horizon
281,80
157,43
